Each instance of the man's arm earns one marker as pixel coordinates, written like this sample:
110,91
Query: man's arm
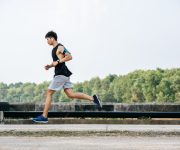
48,66
63,57
53,64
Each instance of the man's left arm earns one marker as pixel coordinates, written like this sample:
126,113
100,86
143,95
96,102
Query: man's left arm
63,56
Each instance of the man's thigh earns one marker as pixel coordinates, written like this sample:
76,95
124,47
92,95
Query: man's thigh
57,83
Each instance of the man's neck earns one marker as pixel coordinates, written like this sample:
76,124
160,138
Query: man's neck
55,44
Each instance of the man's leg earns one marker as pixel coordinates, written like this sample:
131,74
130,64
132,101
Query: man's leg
71,94
48,102
56,84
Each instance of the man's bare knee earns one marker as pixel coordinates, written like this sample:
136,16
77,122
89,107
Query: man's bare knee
70,93
50,92
71,96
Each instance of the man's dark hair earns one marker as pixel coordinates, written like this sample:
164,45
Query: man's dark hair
51,34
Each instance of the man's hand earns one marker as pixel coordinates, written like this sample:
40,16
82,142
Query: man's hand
54,63
48,66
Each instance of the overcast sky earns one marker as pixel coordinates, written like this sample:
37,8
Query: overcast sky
104,37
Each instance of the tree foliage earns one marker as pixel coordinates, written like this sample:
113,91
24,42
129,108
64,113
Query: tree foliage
150,86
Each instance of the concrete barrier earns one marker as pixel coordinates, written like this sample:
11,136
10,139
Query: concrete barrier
147,107
4,106
61,107
1,117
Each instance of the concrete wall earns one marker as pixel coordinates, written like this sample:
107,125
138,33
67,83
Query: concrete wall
90,107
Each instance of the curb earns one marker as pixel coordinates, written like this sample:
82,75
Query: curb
89,130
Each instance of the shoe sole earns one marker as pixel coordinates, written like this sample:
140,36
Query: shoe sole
40,121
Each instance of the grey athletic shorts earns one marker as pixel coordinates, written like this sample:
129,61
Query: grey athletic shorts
60,82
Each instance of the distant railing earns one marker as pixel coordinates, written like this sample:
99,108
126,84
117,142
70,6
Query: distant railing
100,114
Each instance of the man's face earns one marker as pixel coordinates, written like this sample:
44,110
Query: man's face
50,41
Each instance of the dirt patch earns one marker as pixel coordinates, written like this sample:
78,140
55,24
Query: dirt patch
86,133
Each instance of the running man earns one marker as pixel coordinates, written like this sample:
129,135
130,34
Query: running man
61,79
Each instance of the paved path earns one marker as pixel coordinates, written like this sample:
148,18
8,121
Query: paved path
89,137
90,143
57,130
90,127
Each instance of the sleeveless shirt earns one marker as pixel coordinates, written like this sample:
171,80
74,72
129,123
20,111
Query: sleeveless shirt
61,68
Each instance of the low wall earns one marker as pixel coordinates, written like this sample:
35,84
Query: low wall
90,107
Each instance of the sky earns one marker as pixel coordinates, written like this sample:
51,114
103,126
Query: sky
104,37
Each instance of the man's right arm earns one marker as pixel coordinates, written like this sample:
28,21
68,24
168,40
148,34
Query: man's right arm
53,64
48,66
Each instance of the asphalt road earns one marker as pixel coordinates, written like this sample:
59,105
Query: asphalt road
90,143
89,137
